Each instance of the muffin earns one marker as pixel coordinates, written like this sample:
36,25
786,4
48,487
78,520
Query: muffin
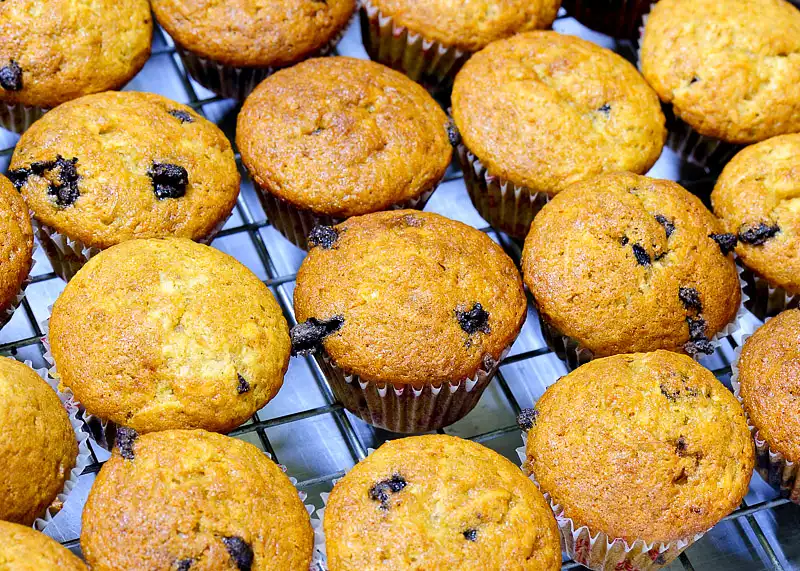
755,199
641,453
337,137
408,314
62,50
36,439
167,333
618,18
445,502
16,249
23,549
429,41
624,263
110,167
230,46
190,499
541,111
729,69
766,380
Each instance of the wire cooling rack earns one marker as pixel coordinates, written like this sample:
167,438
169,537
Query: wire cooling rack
308,431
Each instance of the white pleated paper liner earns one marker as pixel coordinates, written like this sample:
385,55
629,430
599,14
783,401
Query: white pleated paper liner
18,118
599,552
771,465
764,299
425,61
8,313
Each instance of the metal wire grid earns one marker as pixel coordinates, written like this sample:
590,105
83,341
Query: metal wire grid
250,224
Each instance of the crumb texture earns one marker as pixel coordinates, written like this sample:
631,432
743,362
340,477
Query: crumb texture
24,549
16,247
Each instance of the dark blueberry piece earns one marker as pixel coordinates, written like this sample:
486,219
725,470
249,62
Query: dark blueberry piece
727,242
474,320
697,327
471,535
19,177
669,227
183,564
641,255
453,134
606,109
169,181
307,336
323,236
243,385
624,241
11,76
181,115
690,298
670,394
66,191
381,491
125,438
680,446
240,551
527,418
696,346
694,80
757,235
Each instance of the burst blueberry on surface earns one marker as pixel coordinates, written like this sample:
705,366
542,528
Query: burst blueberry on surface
240,551
169,181
758,234
125,439
474,320
727,242
322,236
309,335
11,76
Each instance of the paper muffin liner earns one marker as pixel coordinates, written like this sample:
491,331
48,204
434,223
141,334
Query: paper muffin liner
404,408
771,465
8,313
598,551
764,299
17,117
616,18
425,61
504,205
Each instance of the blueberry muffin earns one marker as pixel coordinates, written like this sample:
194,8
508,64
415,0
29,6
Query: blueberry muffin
647,448
190,499
229,46
167,333
429,41
618,18
729,69
16,248
412,300
767,382
623,263
337,137
23,549
755,199
541,111
109,167
61,50
36,439
439,503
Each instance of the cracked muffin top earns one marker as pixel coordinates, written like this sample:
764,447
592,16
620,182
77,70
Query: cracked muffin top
16,247
36,439
191,500
756,197
645,446
729,68
120,165
254,33
167,333
769,378
343,137
472,24
59,50
407,297
439,503
25,549
544,110
627,263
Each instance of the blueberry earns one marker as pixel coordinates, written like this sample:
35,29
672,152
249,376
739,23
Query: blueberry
240,551
624,241
181,115
605,109
11,76
671,395
169,181
243,385
669,226
641,255
382,491
183,564
757,235
64,190
727,242
471,534
690,298
125,438
696,346
323,236
308,336
697,327
19,177
527,418
474,320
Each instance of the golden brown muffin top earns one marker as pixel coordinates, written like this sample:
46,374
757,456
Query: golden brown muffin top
190,499
439,503
756,199
409,297
769,377
545,110
646,446
16,246
257,33
627,263
167,333
119,165
37,444
730,68
58,50
343,137
24,549
469,24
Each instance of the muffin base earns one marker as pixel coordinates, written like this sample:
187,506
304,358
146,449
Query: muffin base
764,299
17,118
504,205
8,313
616,18
428,62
